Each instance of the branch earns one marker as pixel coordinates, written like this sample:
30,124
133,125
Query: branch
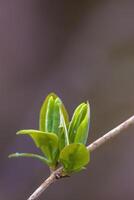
58,173
51,179
111,134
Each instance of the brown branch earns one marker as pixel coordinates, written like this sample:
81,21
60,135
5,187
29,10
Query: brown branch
51,179
111,134
58,173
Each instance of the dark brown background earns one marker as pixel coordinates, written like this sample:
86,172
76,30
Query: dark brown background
81,50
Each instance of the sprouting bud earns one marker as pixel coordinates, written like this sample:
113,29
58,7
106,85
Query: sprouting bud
79,125
61,142
50,114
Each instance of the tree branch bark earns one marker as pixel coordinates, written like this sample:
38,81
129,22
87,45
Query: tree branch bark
116,131
51,179
58,173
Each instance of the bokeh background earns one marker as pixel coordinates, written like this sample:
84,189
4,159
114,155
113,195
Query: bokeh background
82,50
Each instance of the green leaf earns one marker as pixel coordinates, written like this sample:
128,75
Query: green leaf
50,114
47,142
75,121
80,113
74,157
64,128
44,112
41,158
56,116
65,114
62,140
83,129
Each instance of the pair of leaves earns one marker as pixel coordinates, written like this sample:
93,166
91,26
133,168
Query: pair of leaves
60,141
47,142
79,125
50,114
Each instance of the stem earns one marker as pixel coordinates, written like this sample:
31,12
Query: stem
51,179
123,126
58,173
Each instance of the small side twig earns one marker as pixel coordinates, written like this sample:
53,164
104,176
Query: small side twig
58,173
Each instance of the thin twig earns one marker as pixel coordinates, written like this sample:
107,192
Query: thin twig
51,179
111,134
58,173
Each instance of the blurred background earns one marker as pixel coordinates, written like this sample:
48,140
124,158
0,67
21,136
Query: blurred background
82,50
